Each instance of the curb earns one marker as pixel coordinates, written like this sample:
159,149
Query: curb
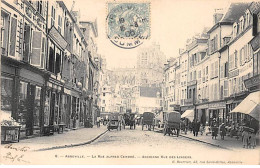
73,145
205,142
159,131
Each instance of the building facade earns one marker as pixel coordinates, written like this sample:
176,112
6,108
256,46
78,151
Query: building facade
222,65
44,67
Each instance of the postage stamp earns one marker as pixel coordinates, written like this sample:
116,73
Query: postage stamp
128,24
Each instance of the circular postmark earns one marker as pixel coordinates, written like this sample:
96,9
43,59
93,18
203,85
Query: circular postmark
128,24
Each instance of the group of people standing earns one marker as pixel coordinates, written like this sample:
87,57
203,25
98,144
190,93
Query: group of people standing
247,130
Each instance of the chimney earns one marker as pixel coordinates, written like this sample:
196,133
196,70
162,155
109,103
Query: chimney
217,16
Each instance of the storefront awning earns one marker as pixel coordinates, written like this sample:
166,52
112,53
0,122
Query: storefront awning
250,105
188,114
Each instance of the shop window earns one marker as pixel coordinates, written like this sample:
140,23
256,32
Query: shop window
23,104
56,109
6,94
46,119
37,107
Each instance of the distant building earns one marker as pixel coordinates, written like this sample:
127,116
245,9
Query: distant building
147,99
150,64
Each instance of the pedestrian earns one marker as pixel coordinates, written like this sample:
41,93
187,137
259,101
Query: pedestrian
245,137
222,130
98,122
197,128
193,127
214,131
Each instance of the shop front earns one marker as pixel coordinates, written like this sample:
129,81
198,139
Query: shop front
202,113
217,111
54,115
22,95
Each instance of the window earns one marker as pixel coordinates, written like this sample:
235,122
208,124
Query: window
104,94
4,32
6,94
216,69
53,16
13,31
242,56
36,58
212,72
225,88
233,61
59,23
51,58
195,75
226,70
256,64
23,104
241,24
221,71
58,61
234,30
27,42
39,7
37,107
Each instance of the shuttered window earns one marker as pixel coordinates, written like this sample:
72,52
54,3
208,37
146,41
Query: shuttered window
27,39
225,88
36,48
43,53
13,36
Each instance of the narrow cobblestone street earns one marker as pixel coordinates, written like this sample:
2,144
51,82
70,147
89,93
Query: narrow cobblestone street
132,146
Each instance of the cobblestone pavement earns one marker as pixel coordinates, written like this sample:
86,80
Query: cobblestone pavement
142,147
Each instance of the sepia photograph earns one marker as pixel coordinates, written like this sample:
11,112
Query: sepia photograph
130,82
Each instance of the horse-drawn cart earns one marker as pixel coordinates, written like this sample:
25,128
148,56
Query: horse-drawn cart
114,122
129,120
148,120
172,122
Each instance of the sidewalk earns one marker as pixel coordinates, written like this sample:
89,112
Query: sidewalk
228,142
70,138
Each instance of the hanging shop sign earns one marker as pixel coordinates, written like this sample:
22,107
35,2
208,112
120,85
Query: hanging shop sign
57,37
251,82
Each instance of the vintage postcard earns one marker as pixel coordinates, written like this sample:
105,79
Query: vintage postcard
130,82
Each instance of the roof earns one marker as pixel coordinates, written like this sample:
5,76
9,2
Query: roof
234,12
149,91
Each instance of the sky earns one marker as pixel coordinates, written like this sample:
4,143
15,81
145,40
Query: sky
172,23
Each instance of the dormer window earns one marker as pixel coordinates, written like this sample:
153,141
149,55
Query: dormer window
241,24
235,30
247,17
